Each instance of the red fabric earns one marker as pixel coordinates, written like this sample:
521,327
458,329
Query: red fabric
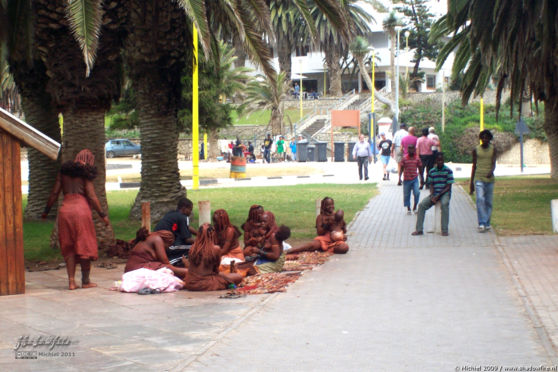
76,231
213,282
411,166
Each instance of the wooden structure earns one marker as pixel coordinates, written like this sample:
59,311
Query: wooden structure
13,133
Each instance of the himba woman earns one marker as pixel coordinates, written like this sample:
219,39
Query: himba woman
331,230
76,231
149,252
267,229
227,235
254,229
204,259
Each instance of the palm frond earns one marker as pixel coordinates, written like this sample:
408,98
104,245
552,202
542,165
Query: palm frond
85,17
195,10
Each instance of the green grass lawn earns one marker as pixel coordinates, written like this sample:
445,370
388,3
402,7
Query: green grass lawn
294,206
262,117
521,205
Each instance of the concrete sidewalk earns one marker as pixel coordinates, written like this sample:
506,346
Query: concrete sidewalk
393,303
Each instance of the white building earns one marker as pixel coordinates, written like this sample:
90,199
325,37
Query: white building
314,71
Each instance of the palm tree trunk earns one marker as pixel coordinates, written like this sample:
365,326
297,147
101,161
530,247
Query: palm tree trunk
81,124
42,170
332,61
284,53
551,129
160,179
276,121
213,144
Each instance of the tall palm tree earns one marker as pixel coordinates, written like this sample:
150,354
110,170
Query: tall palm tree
514,41
29,75
389,24
80,90
267,94
333,45
360,49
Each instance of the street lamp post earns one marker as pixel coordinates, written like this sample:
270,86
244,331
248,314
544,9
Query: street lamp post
396,116
300,89
407,34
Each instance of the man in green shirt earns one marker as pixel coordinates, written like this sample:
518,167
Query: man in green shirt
482,177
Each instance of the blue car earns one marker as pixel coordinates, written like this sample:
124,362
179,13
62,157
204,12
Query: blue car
121,147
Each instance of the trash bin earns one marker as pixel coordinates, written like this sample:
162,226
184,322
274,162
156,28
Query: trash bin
339,151
321,151
351,146
302,151
238,167
311,153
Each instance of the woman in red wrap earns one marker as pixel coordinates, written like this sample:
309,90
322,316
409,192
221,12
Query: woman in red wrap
149,252
76,231
204,260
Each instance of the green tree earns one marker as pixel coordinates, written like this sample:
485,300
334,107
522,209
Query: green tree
219,79
515,42
418,21
268,94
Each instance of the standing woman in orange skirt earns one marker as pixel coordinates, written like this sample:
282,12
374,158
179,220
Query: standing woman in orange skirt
76,231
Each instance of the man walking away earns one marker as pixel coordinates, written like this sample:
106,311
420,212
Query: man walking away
385,147
363,153
440,179
410,167
424,151
436,147
396,151
267,148
292,145
482,177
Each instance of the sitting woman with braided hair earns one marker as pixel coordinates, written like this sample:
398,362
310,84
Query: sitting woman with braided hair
204,260
254,229
149,252
331,230
226,235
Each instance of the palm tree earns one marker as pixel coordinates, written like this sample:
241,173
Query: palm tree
514,41
389,24
82,91
267,94
360,49
28,73
333,45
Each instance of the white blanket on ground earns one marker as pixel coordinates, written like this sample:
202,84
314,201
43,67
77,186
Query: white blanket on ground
162,280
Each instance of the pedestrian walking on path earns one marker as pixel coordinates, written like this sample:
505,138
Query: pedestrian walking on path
385,147
482,178
396,150
440,179
411,167
363,153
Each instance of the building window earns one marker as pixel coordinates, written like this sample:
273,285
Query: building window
431,82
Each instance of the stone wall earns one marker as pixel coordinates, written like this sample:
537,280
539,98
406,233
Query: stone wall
535,152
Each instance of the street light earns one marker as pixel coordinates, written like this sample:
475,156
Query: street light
300,89
372,122
407,34
396,116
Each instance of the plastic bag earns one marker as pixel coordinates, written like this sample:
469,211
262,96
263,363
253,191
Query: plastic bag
392,166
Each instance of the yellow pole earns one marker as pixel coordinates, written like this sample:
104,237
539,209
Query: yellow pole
205,146
195,116
300,90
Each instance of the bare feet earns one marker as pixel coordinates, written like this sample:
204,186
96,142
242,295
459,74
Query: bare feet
71,284
88,285
417,233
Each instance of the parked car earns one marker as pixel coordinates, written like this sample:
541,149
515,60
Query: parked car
121,147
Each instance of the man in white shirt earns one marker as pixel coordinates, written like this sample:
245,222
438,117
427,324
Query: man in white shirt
363,154
396,150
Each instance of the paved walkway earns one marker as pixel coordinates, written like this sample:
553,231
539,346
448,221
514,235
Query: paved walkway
394,303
